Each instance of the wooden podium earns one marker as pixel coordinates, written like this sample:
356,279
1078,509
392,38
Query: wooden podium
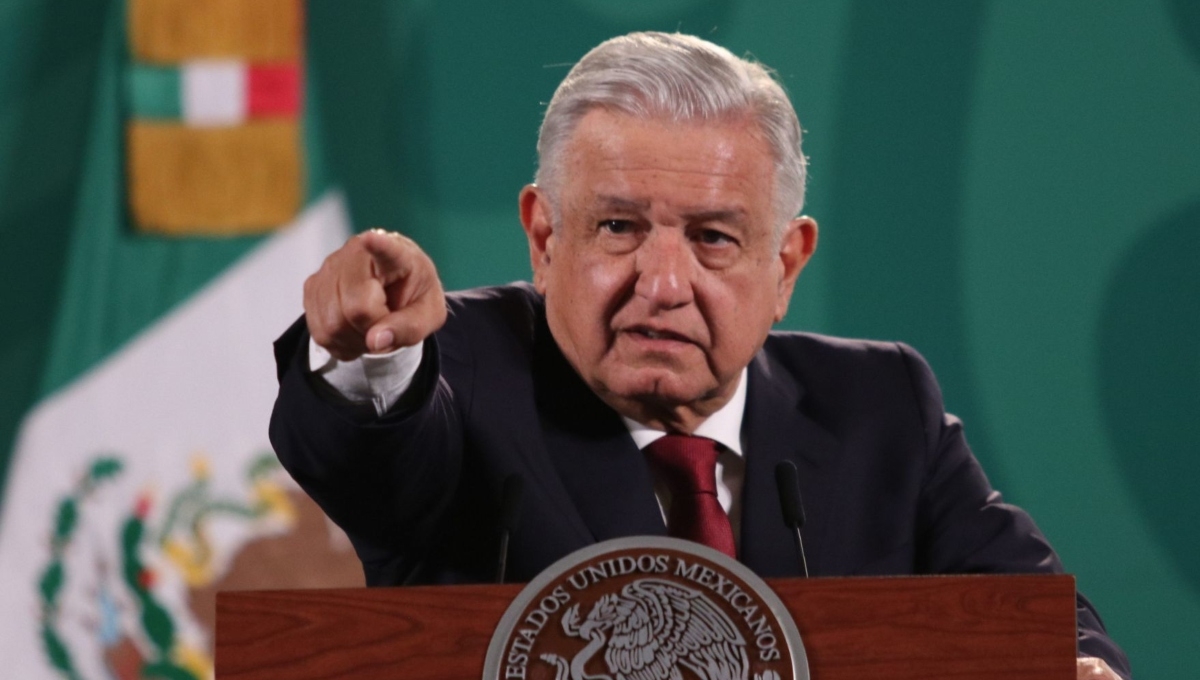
931,627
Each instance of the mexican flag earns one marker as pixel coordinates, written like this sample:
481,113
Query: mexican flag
143,482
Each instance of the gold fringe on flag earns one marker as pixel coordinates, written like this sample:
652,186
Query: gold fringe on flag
172,31
186,181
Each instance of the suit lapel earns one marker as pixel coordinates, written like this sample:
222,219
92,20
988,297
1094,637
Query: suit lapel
775,428
608,481
600,466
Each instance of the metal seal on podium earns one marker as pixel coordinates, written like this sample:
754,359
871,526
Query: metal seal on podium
646,608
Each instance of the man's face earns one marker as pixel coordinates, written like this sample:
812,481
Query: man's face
663,277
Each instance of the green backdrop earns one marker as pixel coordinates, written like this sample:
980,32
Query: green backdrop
1012,186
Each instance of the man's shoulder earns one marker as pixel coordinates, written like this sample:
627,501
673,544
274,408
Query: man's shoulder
517,293
819,347
492,321
837,366
511,304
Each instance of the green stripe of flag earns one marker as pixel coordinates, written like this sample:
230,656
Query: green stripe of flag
154,92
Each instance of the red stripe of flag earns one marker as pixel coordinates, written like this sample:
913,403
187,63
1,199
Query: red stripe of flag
273,90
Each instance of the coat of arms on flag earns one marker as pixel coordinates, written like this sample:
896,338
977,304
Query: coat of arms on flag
121,589
213,95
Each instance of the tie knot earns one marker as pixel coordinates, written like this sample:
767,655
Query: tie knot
687,463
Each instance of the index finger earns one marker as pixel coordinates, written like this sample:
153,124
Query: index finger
391,254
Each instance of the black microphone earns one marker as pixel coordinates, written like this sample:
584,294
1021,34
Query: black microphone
510,511
787,480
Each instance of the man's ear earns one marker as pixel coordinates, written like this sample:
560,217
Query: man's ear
537,220
795,249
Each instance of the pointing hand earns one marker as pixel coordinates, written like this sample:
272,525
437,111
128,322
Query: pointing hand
376,293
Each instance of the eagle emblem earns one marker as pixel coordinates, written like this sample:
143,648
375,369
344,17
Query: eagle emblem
654,630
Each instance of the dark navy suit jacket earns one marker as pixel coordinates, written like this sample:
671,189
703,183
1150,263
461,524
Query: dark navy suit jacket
888,482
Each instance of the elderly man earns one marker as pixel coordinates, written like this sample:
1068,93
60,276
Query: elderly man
664,241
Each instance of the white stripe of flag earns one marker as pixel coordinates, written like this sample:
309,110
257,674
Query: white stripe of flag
214,92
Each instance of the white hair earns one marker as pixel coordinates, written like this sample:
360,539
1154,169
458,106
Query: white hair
679,78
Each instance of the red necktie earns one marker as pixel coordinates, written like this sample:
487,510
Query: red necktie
688,465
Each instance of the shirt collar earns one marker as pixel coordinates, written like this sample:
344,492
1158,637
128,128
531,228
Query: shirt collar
724,426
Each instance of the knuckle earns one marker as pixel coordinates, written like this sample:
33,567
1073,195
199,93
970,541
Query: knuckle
331,317
360,305
357,316
314,282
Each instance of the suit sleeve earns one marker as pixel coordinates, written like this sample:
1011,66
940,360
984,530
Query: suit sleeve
385,480
965,525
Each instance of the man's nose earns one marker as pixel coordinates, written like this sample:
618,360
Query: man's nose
665,268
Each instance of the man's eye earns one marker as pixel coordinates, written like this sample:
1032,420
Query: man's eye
712,237
617,226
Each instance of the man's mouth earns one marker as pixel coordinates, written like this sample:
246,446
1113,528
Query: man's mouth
658,334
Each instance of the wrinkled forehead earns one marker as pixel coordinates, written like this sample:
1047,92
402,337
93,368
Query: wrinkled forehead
626,161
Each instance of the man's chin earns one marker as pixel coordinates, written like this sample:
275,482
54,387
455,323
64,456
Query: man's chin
655,391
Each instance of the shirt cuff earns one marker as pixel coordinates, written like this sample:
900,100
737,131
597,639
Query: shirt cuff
378,379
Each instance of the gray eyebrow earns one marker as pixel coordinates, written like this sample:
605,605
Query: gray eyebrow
732,215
